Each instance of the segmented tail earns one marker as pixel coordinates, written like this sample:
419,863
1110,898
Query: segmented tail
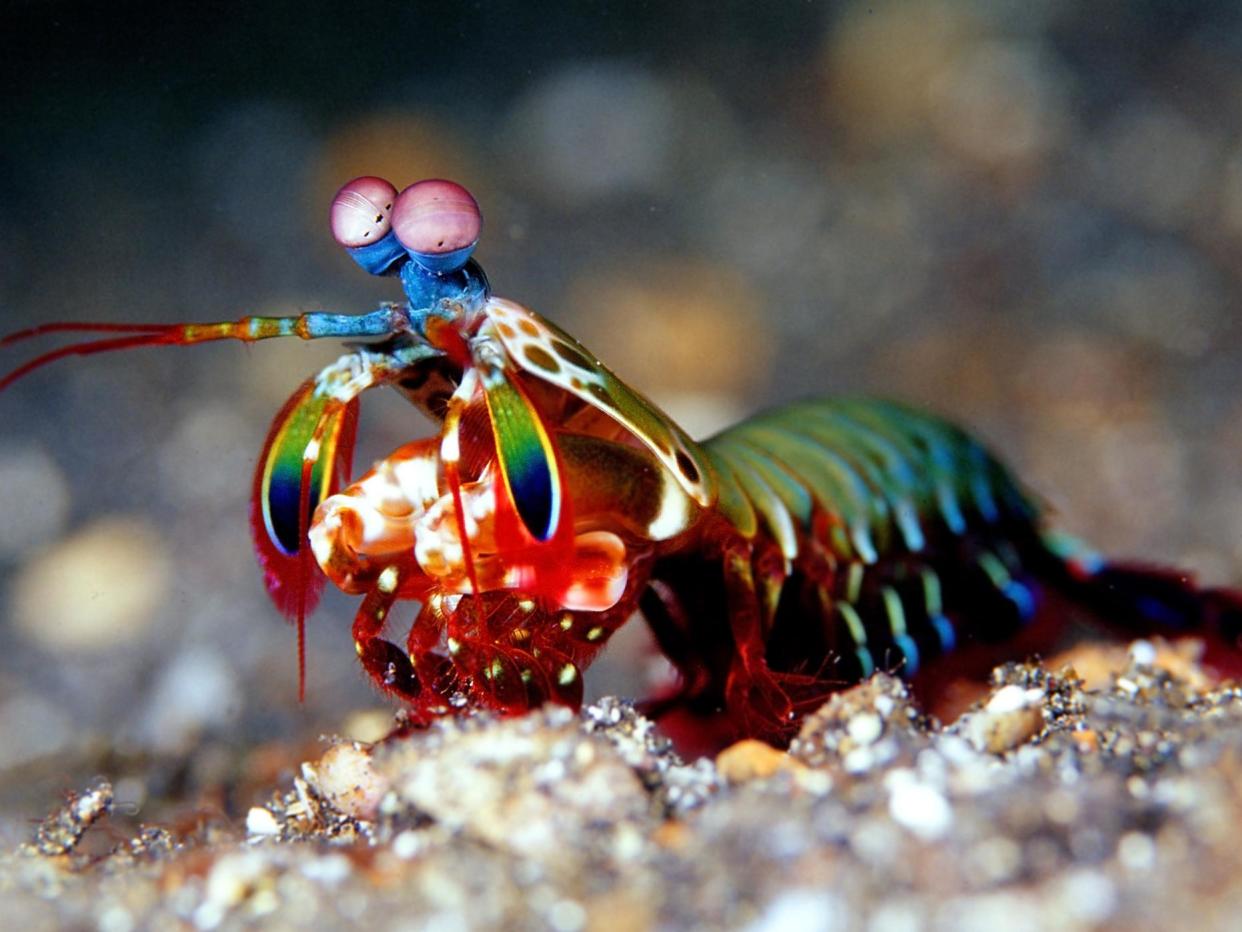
1142,599
1161,601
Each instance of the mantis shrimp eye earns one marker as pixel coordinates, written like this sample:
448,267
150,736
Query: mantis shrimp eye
438,223
360,211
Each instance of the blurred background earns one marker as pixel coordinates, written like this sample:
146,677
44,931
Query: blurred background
1025,216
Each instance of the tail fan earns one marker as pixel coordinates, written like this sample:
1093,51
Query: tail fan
1154,600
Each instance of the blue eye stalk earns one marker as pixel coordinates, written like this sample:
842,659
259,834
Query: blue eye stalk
466,285
426,235
381,257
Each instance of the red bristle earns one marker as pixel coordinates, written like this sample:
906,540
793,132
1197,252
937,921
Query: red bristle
345,448
71,327
293,581
280,570
88,348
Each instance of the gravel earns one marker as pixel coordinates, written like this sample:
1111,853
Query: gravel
1047,804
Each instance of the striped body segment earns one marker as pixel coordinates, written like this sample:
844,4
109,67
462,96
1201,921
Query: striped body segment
876,538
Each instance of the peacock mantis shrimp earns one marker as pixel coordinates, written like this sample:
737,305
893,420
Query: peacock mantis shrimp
796,552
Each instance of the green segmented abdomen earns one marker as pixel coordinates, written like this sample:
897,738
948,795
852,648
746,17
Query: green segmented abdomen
888,476
925,531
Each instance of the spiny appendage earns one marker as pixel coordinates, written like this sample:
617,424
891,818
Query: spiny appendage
386,320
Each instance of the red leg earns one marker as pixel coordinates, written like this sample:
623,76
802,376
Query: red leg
433,669
673,631
387,665
752,693
843,633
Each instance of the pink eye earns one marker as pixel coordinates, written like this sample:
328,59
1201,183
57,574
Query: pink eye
360,211
435,219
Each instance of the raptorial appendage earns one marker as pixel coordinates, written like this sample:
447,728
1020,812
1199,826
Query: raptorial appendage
508,620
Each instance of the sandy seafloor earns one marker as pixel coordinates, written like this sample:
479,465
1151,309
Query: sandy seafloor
1100,791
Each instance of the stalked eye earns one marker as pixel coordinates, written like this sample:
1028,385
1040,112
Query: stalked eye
361,210
438,223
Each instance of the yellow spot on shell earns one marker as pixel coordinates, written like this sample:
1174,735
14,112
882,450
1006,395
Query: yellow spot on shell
595,633
567,622
526,605
453,646
567,674
540,358
387,581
